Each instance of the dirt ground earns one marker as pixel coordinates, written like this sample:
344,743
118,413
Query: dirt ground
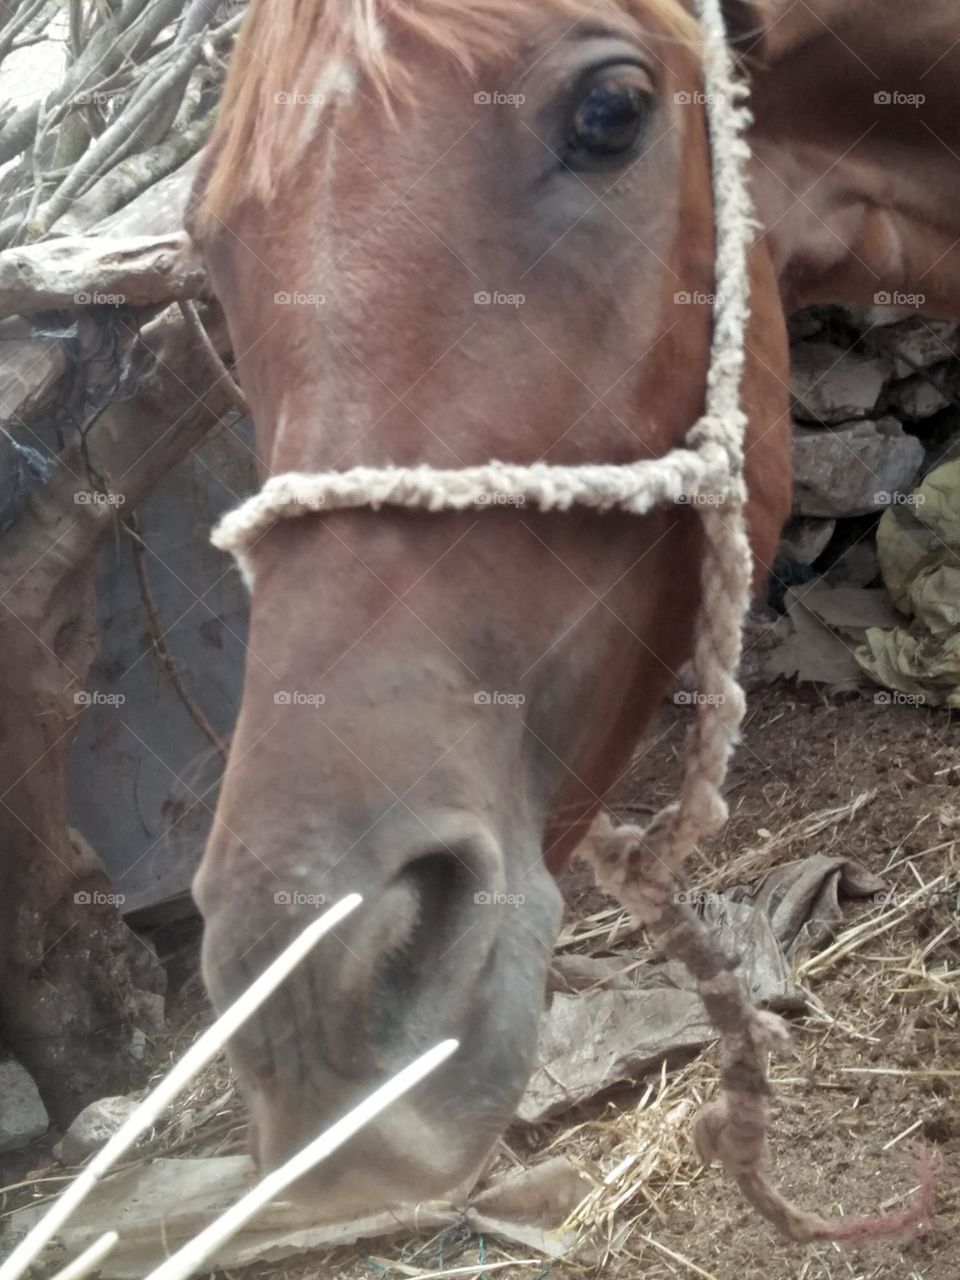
877,1065
883,1056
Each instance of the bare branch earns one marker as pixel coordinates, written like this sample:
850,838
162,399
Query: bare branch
19,24
161,649
109,147
222,376
124,35
131,177
76,28
75,270
199,15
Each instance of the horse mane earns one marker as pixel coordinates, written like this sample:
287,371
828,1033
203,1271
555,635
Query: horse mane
300,47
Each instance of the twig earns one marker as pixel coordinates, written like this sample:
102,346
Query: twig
90,1259
76,28
162,652
218,368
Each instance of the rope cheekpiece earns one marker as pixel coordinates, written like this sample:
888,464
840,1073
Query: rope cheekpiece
640,866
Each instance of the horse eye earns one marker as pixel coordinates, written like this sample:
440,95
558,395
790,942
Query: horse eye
608,122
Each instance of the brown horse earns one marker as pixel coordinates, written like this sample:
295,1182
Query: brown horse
447,232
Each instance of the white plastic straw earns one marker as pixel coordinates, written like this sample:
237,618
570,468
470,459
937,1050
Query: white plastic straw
196,1057
90,1259
195,1252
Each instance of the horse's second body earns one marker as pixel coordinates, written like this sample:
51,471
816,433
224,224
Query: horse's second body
447,232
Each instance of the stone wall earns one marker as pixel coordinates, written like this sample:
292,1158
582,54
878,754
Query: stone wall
876,405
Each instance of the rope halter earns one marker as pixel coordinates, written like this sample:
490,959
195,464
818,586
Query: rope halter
706,471
638,865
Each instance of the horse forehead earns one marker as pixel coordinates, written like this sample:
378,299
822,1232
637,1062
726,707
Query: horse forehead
539,57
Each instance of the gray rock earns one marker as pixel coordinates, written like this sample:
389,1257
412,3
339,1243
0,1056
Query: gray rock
806,537
23,1117
853,469
919,396
883,315
803,324
150,1011
918,343
138,1045
870,317
858,566
93,1128
831,385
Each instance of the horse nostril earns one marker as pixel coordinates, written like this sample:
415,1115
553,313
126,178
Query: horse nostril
432,950
400,973
435,888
